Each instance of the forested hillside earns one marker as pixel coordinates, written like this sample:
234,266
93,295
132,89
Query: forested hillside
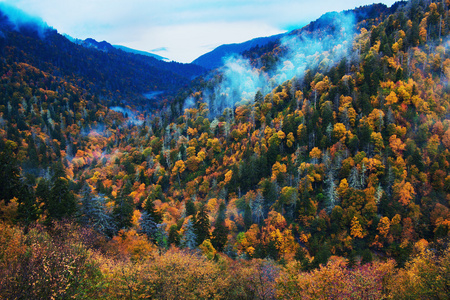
112,73
315,168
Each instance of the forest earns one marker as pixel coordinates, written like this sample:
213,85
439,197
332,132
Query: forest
317,167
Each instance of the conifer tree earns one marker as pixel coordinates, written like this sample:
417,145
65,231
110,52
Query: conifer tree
150,219
61,201
190,208
174,237
123,211
149,208
94,212
189,239
220,233
9,171
202,225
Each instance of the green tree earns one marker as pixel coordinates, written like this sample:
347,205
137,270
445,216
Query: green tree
123,210
61,201
220,233
9,172
174,236
202,225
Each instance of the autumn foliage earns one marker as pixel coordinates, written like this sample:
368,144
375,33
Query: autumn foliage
334,183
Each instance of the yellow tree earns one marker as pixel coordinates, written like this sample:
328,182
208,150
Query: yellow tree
396,144
391,98
178,169
404,192
356,229
383,226
339,131
315,154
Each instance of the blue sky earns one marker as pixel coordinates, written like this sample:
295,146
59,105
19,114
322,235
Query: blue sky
180,30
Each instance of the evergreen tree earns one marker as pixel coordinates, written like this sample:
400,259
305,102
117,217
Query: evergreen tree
61,201
149,208
9,172
257,207
95,213
148,225
28,208
123,211
189,239
220,233
190,208
353,179
247,216
174,236
202,225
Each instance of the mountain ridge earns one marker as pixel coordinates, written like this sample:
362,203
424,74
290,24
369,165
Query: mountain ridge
214,58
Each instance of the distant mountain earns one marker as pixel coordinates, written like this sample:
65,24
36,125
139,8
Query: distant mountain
214,59
91,43
145,53
106,47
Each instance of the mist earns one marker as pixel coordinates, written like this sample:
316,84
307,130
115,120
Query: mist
318,50
129,114
19,20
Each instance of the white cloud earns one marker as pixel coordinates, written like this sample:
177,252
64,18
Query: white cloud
184,27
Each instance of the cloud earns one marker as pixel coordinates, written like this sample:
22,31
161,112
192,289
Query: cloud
160,49
150,24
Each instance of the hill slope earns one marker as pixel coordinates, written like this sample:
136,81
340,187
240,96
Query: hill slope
100,66
214,59
325,151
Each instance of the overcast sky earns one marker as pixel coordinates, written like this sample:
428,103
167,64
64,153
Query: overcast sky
180,30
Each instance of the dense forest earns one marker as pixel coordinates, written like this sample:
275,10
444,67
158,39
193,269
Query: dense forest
319,169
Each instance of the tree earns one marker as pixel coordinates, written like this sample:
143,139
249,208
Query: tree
123,210
178,169
9,172
220,232
13,186
356,228
189,239
202,225
353,180
95,213
331,192
404,192
190,208
149,208
174,236
148,225
28,209
257,207
61,200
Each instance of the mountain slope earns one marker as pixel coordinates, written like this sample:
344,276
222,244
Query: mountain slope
98,67
134,51
328,151
214,59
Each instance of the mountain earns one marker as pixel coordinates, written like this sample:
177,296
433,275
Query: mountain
91,43
214,59
96,66
134,51
313,167
105,46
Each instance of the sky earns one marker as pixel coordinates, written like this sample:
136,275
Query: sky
180,30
